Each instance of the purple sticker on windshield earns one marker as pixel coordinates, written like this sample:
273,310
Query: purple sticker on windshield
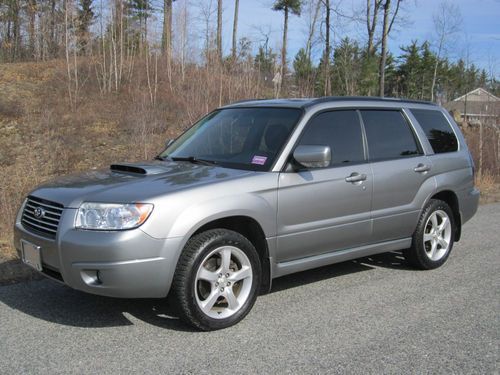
260,160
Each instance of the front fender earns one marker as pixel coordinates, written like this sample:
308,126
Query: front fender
254,206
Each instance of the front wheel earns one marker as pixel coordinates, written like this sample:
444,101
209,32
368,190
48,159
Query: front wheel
433,239
217,279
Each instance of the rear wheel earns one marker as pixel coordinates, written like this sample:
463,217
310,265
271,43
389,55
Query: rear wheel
433,239
217,279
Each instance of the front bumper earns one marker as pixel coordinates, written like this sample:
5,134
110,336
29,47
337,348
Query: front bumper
128,264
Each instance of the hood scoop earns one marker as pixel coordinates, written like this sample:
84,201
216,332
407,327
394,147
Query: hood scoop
137,169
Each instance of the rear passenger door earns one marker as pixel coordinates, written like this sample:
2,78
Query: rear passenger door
326,209
400,172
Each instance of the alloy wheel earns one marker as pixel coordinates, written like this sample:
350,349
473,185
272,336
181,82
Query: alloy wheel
223,282
437,235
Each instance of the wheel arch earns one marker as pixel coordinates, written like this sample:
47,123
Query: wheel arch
250,229
451,198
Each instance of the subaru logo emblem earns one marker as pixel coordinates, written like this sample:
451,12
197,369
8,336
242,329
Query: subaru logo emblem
39,212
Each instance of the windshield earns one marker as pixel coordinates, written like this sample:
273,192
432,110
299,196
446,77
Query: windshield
242,138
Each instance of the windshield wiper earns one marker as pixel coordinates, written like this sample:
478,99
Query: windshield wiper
194,160
158,157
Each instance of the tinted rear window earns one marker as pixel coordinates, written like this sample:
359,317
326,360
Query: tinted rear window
437,129
389,135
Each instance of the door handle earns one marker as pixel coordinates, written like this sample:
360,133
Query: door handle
355,177
422,168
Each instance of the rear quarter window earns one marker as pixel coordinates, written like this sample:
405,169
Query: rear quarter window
437,129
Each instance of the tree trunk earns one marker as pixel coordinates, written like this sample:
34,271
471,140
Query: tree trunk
219,30
434,75
283,48
146,16
312,30
16,28
166,42
31,27
383,57
371,24
235,28
53,44
66,50
327,91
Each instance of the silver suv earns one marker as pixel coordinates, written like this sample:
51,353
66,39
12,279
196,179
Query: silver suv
253,191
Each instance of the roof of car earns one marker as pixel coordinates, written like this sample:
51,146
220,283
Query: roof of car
308,102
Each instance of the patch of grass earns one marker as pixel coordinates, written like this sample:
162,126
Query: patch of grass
10,108
5,250
489,185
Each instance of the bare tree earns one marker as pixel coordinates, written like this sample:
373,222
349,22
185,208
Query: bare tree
219,30
447,21
166,38
85,18
371,23
286,6
70,52
467,60
152,75
182,37
235,28
327,88
312,8
14,28
31,10
207,10
53,49
386,29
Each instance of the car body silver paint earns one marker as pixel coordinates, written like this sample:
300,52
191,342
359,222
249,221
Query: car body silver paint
309,218
319,212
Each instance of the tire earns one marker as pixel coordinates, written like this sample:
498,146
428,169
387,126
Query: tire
217,279
433,239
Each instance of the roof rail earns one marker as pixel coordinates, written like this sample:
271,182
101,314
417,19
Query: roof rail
245,101
327,99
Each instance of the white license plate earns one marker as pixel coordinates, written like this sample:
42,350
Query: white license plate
31,255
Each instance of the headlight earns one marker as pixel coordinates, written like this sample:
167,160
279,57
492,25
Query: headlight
112,216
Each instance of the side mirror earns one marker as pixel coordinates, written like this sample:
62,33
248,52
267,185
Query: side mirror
168,142
313,156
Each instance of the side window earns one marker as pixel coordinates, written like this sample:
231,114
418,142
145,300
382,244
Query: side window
341,130
437,129
389,135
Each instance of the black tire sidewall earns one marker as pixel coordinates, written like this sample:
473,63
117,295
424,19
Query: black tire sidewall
418,238
214,239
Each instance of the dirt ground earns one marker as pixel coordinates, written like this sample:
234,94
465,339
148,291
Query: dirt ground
12,270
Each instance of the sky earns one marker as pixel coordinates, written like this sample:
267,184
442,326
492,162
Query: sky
479,39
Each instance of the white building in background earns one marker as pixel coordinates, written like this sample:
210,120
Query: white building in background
476,106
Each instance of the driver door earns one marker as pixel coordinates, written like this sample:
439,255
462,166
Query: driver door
326,209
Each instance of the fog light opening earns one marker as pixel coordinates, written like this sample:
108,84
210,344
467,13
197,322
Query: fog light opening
91,277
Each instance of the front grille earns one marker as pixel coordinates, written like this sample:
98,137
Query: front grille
45,224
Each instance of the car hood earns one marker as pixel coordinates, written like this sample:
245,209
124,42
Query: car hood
132,182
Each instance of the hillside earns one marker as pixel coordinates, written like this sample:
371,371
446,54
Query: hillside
41,137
